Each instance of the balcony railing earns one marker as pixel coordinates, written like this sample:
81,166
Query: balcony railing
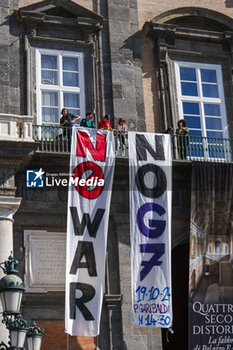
184,148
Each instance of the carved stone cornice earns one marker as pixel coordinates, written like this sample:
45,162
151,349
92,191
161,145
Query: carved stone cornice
34,18
8,207
168,31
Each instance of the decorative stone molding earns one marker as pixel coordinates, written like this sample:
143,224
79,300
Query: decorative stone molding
45,261
187,12
16,127
63,13
171,32
8,207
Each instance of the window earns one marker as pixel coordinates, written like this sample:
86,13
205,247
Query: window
218,247
60,83
201,104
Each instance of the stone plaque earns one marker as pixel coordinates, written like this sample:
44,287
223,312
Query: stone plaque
45,255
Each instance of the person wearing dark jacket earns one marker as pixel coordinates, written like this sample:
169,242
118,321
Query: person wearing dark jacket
66,122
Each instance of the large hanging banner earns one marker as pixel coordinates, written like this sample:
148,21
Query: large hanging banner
92,164
211,257
150,227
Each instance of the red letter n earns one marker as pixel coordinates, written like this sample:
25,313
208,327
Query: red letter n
83,142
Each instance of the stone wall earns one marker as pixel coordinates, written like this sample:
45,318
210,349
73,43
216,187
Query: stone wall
125,53
9,59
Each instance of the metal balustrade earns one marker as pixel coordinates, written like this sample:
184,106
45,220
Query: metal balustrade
184,148
198,148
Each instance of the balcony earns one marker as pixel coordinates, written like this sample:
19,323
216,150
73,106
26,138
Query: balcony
192,148
16,128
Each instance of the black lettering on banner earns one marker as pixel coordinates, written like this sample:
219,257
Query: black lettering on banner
161,185
84,249
143,146
88,294
86,221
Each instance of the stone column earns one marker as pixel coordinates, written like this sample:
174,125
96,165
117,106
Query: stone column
8,206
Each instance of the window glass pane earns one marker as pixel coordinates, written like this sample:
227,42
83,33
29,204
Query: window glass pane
191,108
209,90
70,79
49,98
195,133
50,115
193,122
208,76
213,123
217,134
59,84
212,109
70,64
189,89
202,108
71,100
49,77
188,74
48,62
74,111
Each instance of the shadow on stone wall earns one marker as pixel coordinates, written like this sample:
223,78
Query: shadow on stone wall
142,48
133,44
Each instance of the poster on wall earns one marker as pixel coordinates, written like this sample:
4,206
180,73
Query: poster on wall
150,228
92,162
211,257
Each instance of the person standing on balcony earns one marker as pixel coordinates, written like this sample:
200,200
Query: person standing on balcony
182,139
121,127
105,123
88,122
66,122
67,118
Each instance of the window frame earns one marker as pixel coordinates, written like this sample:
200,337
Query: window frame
59,88
200,99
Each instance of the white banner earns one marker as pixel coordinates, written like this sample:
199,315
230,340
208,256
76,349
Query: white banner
150,166
92,164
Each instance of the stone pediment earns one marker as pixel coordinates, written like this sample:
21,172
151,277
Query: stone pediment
64,12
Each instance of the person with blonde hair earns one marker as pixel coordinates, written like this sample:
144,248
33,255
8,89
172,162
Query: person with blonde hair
121,128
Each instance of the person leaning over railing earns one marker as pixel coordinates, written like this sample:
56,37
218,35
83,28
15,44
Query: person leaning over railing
66,122
88,122
67,118
121,127
105,124
182,139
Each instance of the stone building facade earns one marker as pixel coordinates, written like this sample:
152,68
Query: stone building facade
130,53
